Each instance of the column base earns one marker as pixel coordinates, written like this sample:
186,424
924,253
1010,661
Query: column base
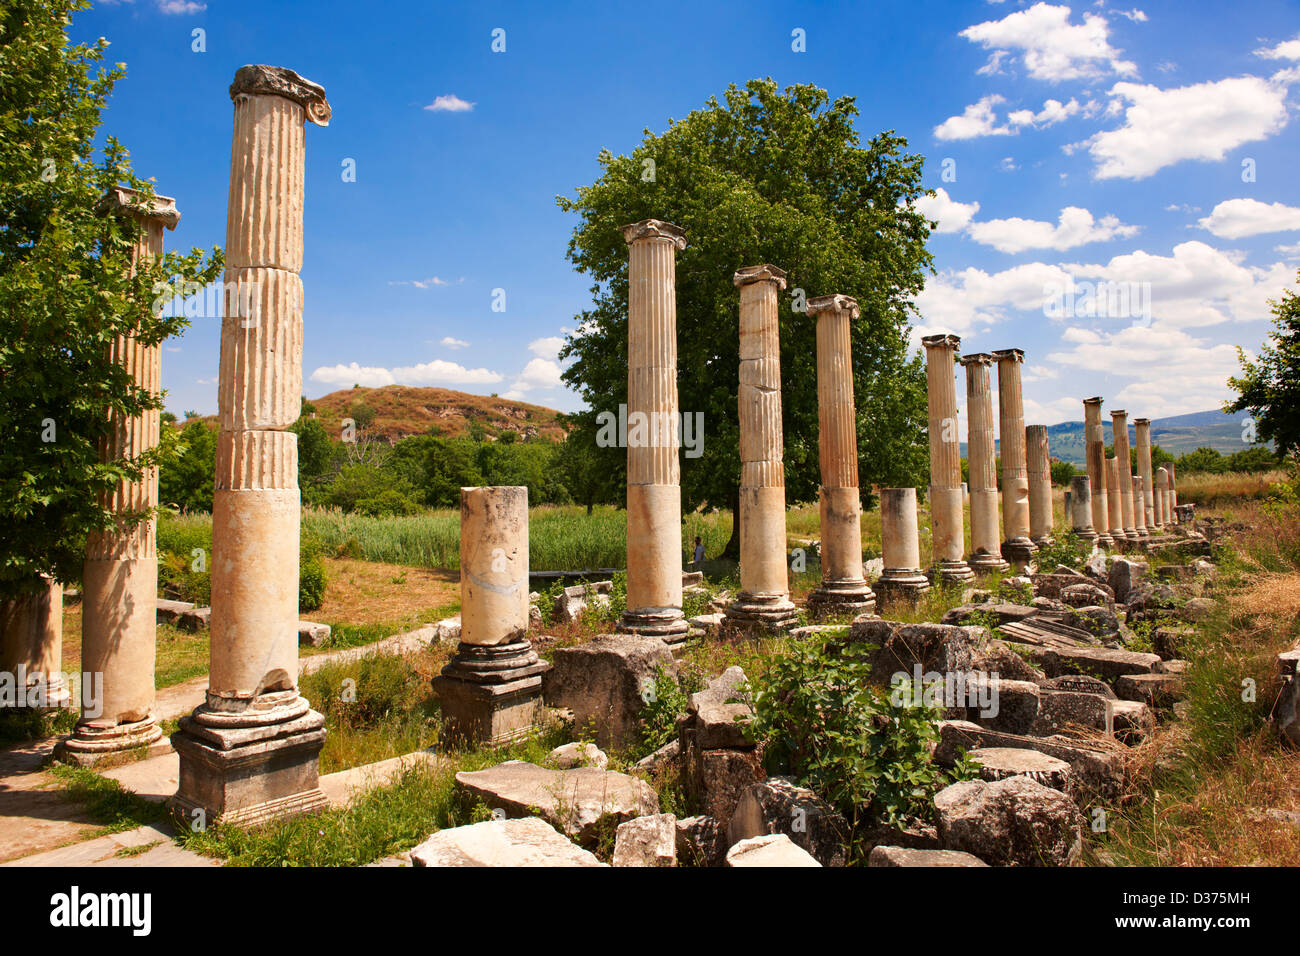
251,774
841,597
490,695
90,745
769,612
1086,535
1104,540
667,623
1019,550
984,562
1043,541
901,586
954,572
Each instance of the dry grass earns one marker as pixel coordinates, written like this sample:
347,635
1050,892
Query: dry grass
367,592
401,410
1207,490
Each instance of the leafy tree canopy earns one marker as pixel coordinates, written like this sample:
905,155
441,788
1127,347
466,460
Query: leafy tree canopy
1269,388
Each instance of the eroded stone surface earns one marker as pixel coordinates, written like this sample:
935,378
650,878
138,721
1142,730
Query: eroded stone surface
883,856
776,849
646,841
523,842
1011,822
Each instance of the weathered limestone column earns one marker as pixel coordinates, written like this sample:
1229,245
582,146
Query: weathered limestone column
654,501
1162,499
1094,435
1139,510
1114,503
1173,492
1119,430
249,753
947,530
844,589
1039,467
1148,503
491,690
31,648
120,578
1017,545
1081,508
985,534
764,598
902,577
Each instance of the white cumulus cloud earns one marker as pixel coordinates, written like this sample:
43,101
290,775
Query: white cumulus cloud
951,215
449,103
1238,218
1075,227
1050,46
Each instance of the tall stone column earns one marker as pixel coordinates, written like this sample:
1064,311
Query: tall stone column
764,598
1162,499
1039,467
1094,435
1081,508
985,534
1173,491
120,577
1114,502
1016,546
491,690
947,531
1119,429
902,577
654,500
31,648
1139,511
250,752
1148,502
843,588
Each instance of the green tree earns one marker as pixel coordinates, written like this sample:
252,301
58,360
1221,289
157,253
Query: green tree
1203,459
451,465
316,451
1269,388
769,176
66,293
187,464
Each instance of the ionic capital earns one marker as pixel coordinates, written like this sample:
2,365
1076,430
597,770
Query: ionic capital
833,303
764,273
123,200
262,80
654,229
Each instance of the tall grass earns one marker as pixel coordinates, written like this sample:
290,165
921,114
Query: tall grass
1206,490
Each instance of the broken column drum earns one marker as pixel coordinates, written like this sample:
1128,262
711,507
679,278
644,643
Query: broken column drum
902,577
1081,508
1039,467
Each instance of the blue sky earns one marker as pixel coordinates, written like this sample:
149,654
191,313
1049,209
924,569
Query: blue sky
1140,156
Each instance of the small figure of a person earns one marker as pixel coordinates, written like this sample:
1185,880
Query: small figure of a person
699,550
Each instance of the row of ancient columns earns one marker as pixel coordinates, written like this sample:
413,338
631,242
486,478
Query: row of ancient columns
1126,508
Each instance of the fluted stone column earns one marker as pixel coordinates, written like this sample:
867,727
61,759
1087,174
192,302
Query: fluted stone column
1016,545
981,455
947,530
490,692
31,648
1081,508
1114,502
1094,435
843,588
1139,510
1119,429
902,577
249,753
1173,491
654,501
1148,502
1162,499
120,577
764,598
1039,467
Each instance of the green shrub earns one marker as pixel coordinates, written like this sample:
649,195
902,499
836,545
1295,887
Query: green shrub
663,705
1068,549
820,721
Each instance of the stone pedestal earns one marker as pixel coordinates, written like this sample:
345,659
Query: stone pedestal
1081,508
1039,466
1148,499
764,598
1173,490
249,753
31,648
947,531
491,691
902,578
120,577
844,589
1114,503
1094,435
985,533
1016,545
1119,429
654,502
1164,515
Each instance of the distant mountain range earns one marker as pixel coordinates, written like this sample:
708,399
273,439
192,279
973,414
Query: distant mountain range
1177,435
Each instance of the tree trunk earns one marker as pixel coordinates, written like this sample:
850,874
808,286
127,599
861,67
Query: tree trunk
732,550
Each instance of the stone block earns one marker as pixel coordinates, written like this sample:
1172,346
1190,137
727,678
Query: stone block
605,683
774,850
779,805
883,856
646,841
1011,822
528,841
